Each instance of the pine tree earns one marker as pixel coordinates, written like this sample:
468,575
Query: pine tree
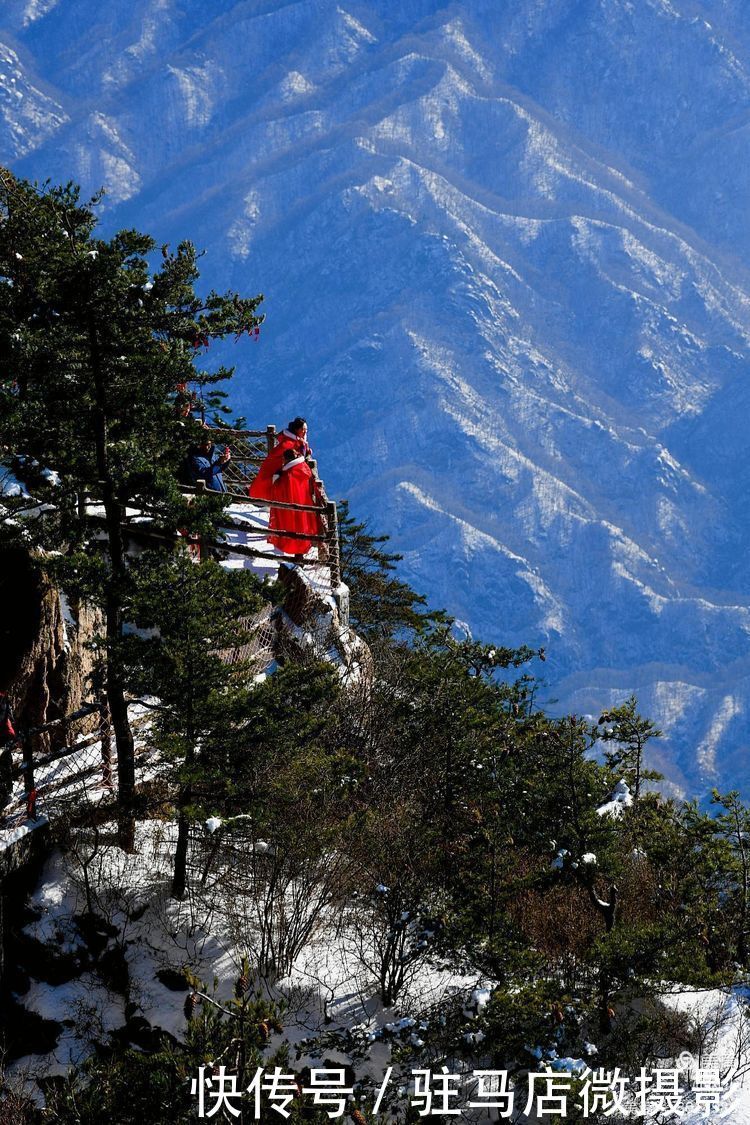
629,732
381,605
199,618
92,349
733,826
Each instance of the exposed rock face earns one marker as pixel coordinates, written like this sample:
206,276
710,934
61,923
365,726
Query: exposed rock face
46,661
313,623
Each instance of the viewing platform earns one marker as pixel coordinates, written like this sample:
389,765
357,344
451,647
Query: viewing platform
67,760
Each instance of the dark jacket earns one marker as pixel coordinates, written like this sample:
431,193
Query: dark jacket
206,465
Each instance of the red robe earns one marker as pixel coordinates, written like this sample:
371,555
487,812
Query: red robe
295,485
262,487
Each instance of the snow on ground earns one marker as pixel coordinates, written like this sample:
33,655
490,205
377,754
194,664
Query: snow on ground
725,1018
78,776
254,534
328,988
86,1005
327,991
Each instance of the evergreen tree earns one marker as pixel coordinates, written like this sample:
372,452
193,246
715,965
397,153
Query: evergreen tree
733,826
92,349
381,605
629,732
160,1086
201,616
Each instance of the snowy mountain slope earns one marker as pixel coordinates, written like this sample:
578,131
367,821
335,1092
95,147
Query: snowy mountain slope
501,247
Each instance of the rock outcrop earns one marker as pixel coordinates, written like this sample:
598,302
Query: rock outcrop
47,662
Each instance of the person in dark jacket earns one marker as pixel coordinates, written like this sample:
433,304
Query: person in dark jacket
207,463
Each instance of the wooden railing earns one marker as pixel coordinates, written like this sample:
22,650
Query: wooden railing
248,449
328,539
35,756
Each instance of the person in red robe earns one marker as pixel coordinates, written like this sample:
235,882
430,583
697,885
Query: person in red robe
293,437
294,484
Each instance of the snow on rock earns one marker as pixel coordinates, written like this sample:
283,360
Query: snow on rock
12,833
68,617
10,485
478,1001
569,1064
620,799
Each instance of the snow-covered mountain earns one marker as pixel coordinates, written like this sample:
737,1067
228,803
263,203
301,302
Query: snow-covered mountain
503,252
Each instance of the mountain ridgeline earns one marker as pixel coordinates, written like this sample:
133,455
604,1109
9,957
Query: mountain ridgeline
503,253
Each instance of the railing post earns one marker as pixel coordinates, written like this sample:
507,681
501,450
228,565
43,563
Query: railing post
6,774
28,775
270,438
334,560
105,730
339,591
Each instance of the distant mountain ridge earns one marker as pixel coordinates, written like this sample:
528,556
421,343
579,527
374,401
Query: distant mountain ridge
503,254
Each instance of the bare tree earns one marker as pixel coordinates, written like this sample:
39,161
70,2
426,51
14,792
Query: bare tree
276,893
